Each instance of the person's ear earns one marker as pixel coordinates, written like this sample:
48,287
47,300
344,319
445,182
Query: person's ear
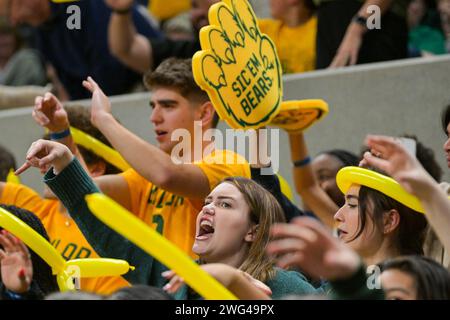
251,234
97,169
391,221
207,113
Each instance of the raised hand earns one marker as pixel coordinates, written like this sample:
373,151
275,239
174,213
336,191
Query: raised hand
307,244
101,106
49,112
44,154
394,159
16,264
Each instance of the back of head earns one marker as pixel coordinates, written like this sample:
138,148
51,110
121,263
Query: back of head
176,74
42,272
7,162
140,292
432,280
409,236
264,211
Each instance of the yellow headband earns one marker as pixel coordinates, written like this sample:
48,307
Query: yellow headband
99,148
374,180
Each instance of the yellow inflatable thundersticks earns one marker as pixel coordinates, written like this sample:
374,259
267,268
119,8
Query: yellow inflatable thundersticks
377,181
132,228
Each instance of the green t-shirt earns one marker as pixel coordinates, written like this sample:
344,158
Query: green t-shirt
425,38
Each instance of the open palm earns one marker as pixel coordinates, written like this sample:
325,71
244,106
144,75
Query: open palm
16,264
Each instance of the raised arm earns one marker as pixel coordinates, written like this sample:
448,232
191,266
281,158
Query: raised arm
406,170
149,161
126,44
314,197
49,113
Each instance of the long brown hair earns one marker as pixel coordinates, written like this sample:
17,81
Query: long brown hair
264,212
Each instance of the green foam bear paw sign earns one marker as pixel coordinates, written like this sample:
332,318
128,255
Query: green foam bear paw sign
238,66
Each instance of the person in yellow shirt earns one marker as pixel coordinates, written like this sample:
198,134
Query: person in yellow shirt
165,195
293,31
163,10
62,230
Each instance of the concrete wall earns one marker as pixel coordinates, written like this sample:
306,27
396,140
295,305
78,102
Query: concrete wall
387,98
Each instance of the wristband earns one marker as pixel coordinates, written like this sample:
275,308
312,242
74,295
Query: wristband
302,163
60,135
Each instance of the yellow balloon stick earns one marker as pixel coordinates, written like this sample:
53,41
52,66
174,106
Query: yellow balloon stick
100,267
374,180
32,239
99,148
125,223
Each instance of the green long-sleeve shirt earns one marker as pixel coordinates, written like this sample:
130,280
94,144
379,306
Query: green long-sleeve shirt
73,184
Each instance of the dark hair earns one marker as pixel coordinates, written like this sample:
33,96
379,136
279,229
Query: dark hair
410,234
177,74
445,118
426,158
347,158
7,162
42,272
80,118
432,280
140,292
7,29
74,295
310,5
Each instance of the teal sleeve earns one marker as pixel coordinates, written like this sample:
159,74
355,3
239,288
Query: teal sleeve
355,287
71,186
290,283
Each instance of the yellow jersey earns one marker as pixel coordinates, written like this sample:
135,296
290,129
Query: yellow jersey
296,47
